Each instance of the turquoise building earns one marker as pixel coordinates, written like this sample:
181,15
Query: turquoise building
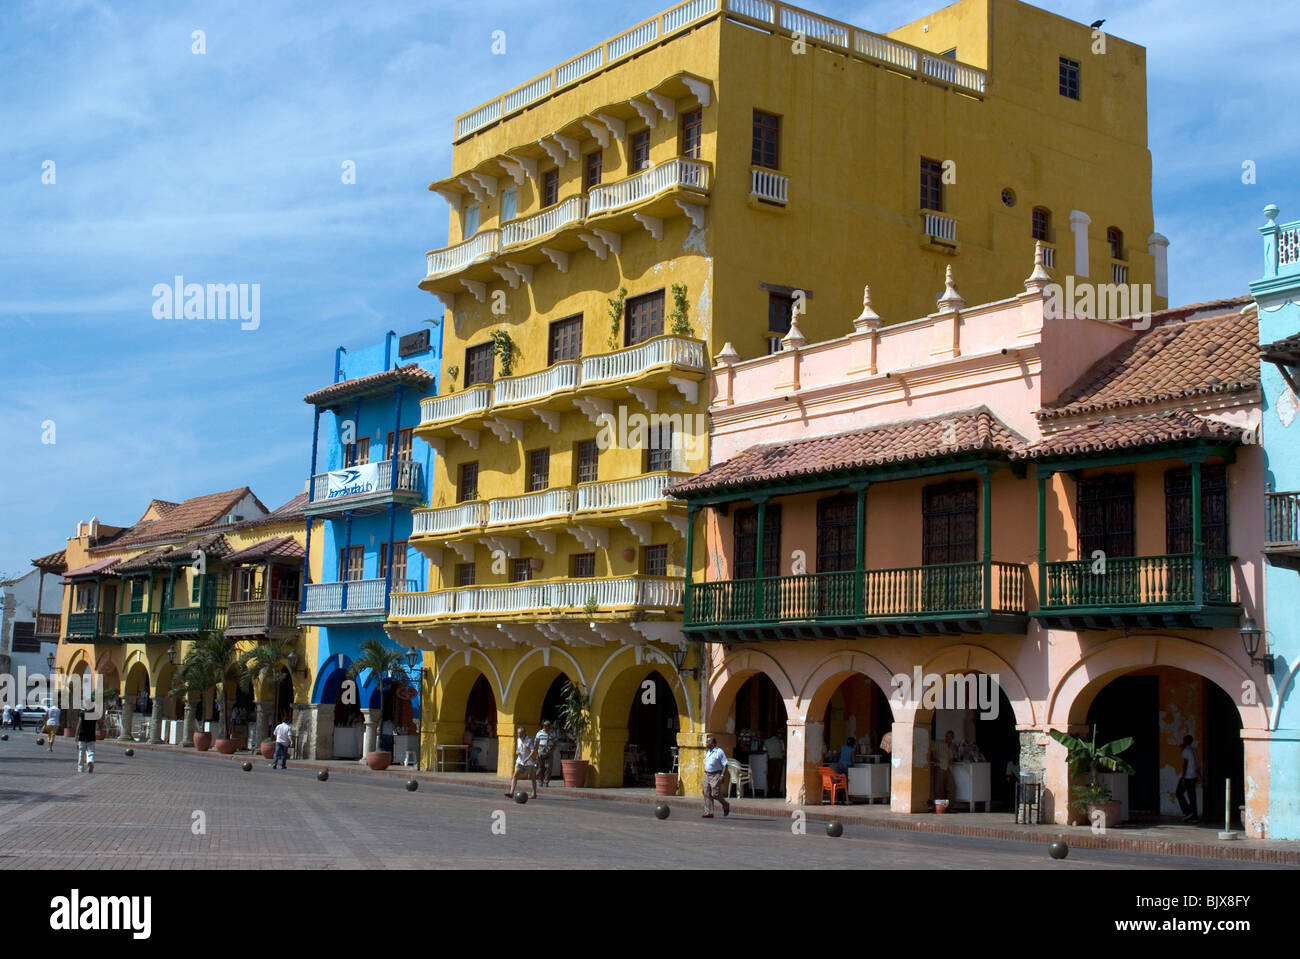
1277,654
368,469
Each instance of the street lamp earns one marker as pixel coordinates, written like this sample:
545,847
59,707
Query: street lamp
679,658
412,657
171,653
1251,635
49,661
292,660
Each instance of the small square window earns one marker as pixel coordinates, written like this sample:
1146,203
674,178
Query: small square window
467,489
587,456
654,560
779,308
471,221
539,470
464,574
640,152
1070,78
478,364
591,169
582,565
521,571
551,187
1042,224
692,133
767,141
931,185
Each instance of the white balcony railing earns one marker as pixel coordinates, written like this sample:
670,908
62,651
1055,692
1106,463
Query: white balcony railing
452,519
363,595
769,186
1049,256
483,244
662,351
409,477
1119,273
526,389
940,227
678,172
568,213
883,49
619,494
440,409
652,592
532,507
950,71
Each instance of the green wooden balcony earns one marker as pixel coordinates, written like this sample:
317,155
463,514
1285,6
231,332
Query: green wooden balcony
138,624
914,600
1129,591
193,619
90,626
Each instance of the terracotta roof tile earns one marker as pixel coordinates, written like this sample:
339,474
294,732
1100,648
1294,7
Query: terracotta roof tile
969,431
1172,360
1286,350
410,375
52,563
151,559
197,512
101,567
279,547
1136,432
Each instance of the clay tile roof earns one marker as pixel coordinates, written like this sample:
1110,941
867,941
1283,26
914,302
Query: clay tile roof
213,544
1285,350
279,547
152,559
969,431
194,513
1141,431
53,563
1172,360
102,567
410,375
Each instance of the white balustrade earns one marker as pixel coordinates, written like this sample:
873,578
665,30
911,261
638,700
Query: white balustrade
480,117
633,39
638,359
684,13
1118,273
483,244
754,9
1049,256
950,71
814,27
634,591
884,50
448,520
535,386
617,494
363,595
773,187
579,66
940,227
547,504
1288,245
522,96
668,175
439,409
571,211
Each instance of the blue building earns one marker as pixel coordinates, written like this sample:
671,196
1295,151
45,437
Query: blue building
367,472
1277,294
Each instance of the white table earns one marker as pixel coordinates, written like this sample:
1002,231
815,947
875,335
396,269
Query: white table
459,756
348,741
971,782
869,781
758,772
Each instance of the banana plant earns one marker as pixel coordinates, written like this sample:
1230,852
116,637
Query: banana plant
1085,756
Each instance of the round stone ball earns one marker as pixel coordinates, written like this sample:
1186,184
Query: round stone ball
130,752
521,797
412,785
1058,849
248,767
40,741
662,811
323,775
834,829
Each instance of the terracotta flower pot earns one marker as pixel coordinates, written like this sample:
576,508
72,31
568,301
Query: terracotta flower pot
379,761
267,750
575,772
225,746
665,784
1104,814
941,806
101,734
203,741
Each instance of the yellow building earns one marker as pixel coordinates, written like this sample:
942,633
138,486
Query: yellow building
136,597
690,183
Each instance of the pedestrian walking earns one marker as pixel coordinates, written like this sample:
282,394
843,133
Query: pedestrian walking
715,772
1186,791
52,720
283,740
8,719
525,761
544,745
86,743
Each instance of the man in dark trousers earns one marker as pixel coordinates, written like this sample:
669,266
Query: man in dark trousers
1186,791
86,742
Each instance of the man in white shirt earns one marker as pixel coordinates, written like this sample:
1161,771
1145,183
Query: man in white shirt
715,773
1186,791
283,740
525,761
52,720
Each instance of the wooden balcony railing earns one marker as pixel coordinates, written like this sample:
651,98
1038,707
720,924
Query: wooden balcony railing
532,507
138,624
450,519
1283,520
1137,582
263,613
535,386
620,494
568,212
49,625
193,619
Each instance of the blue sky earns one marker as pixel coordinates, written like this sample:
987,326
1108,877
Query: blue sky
225,168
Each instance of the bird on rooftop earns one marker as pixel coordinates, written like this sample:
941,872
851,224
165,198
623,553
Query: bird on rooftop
1096,24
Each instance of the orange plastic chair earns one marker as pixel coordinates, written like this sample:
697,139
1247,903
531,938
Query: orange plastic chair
832,781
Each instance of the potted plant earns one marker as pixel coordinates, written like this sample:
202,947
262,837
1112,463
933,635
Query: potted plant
575,716
680,318
381,662
1085,757
206,664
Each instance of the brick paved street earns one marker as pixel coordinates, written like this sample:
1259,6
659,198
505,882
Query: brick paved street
137,813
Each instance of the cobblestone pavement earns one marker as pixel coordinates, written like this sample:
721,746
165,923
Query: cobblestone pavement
143,812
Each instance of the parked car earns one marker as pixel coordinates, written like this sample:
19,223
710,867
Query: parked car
31,716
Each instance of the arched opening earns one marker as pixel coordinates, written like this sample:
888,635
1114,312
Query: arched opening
652,727
855,720
333,687
137,697
1157,707
758,718
985,746
480,737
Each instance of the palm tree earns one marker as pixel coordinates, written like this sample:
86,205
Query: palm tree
206,664
260,663
381,661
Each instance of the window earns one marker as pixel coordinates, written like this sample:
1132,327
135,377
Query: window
692,129
245,582
471,221
931,185
1042,227
464,574
352,562
478,364
404,438
358,453
137,595
950,54
84,599
660,441
645,318
509,204
284,583
1106,515
399,563
767,140
467,489
639,153
837,533
196,587
25,640
745,541
654,560
779,308
592,165
566,340
587,457
551,187
539,470
582,565
1070,78
1214,511
521,571
950,523
1115,239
